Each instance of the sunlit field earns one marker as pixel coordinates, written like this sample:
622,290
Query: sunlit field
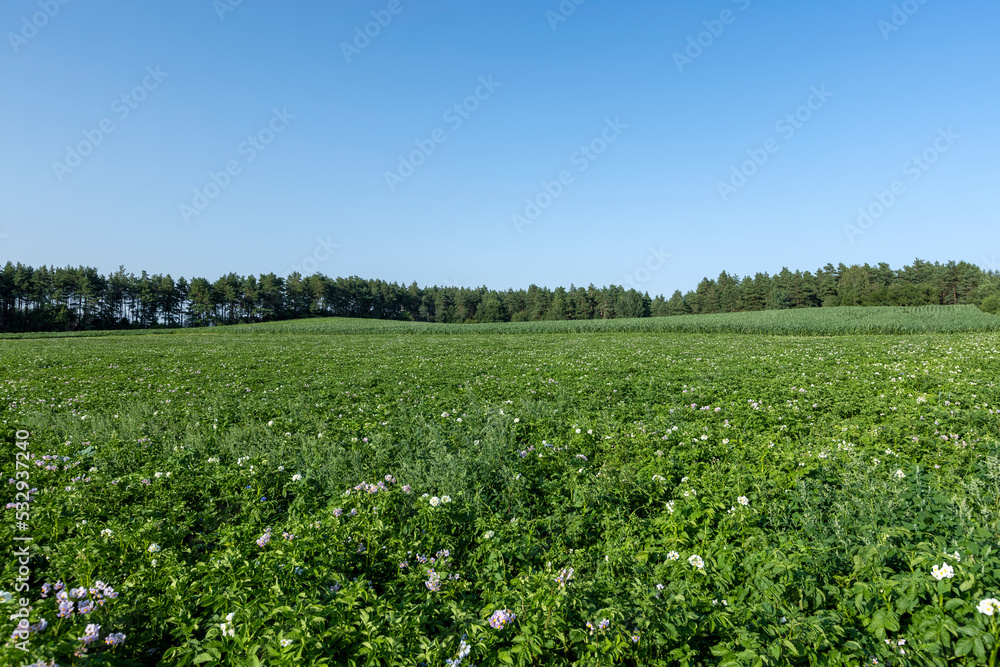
800,322
279,495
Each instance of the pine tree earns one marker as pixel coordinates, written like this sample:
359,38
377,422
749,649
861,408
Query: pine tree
676,304
491,310
559,307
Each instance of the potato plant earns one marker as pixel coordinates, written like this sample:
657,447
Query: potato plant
600,498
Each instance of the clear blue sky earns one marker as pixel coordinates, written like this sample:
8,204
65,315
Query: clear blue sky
678,128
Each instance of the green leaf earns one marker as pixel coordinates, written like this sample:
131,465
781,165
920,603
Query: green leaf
978,648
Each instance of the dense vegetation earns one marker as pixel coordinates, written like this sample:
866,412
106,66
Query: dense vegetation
214,497
841,320
60,299
813,322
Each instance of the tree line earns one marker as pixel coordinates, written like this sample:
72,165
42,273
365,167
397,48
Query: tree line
55,299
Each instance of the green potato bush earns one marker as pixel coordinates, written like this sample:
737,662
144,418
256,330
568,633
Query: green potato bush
558,499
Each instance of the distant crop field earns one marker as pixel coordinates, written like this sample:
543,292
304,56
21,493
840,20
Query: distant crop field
623,497
801,322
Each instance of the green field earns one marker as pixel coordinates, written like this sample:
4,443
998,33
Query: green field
632,496
805,322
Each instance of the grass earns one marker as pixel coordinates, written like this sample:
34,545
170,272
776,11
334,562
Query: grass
850,320
803,322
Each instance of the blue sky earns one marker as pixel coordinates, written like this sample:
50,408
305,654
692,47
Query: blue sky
612,129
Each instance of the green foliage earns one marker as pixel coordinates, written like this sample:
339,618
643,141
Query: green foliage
81,299
991,304
845,320
834,321
620,497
